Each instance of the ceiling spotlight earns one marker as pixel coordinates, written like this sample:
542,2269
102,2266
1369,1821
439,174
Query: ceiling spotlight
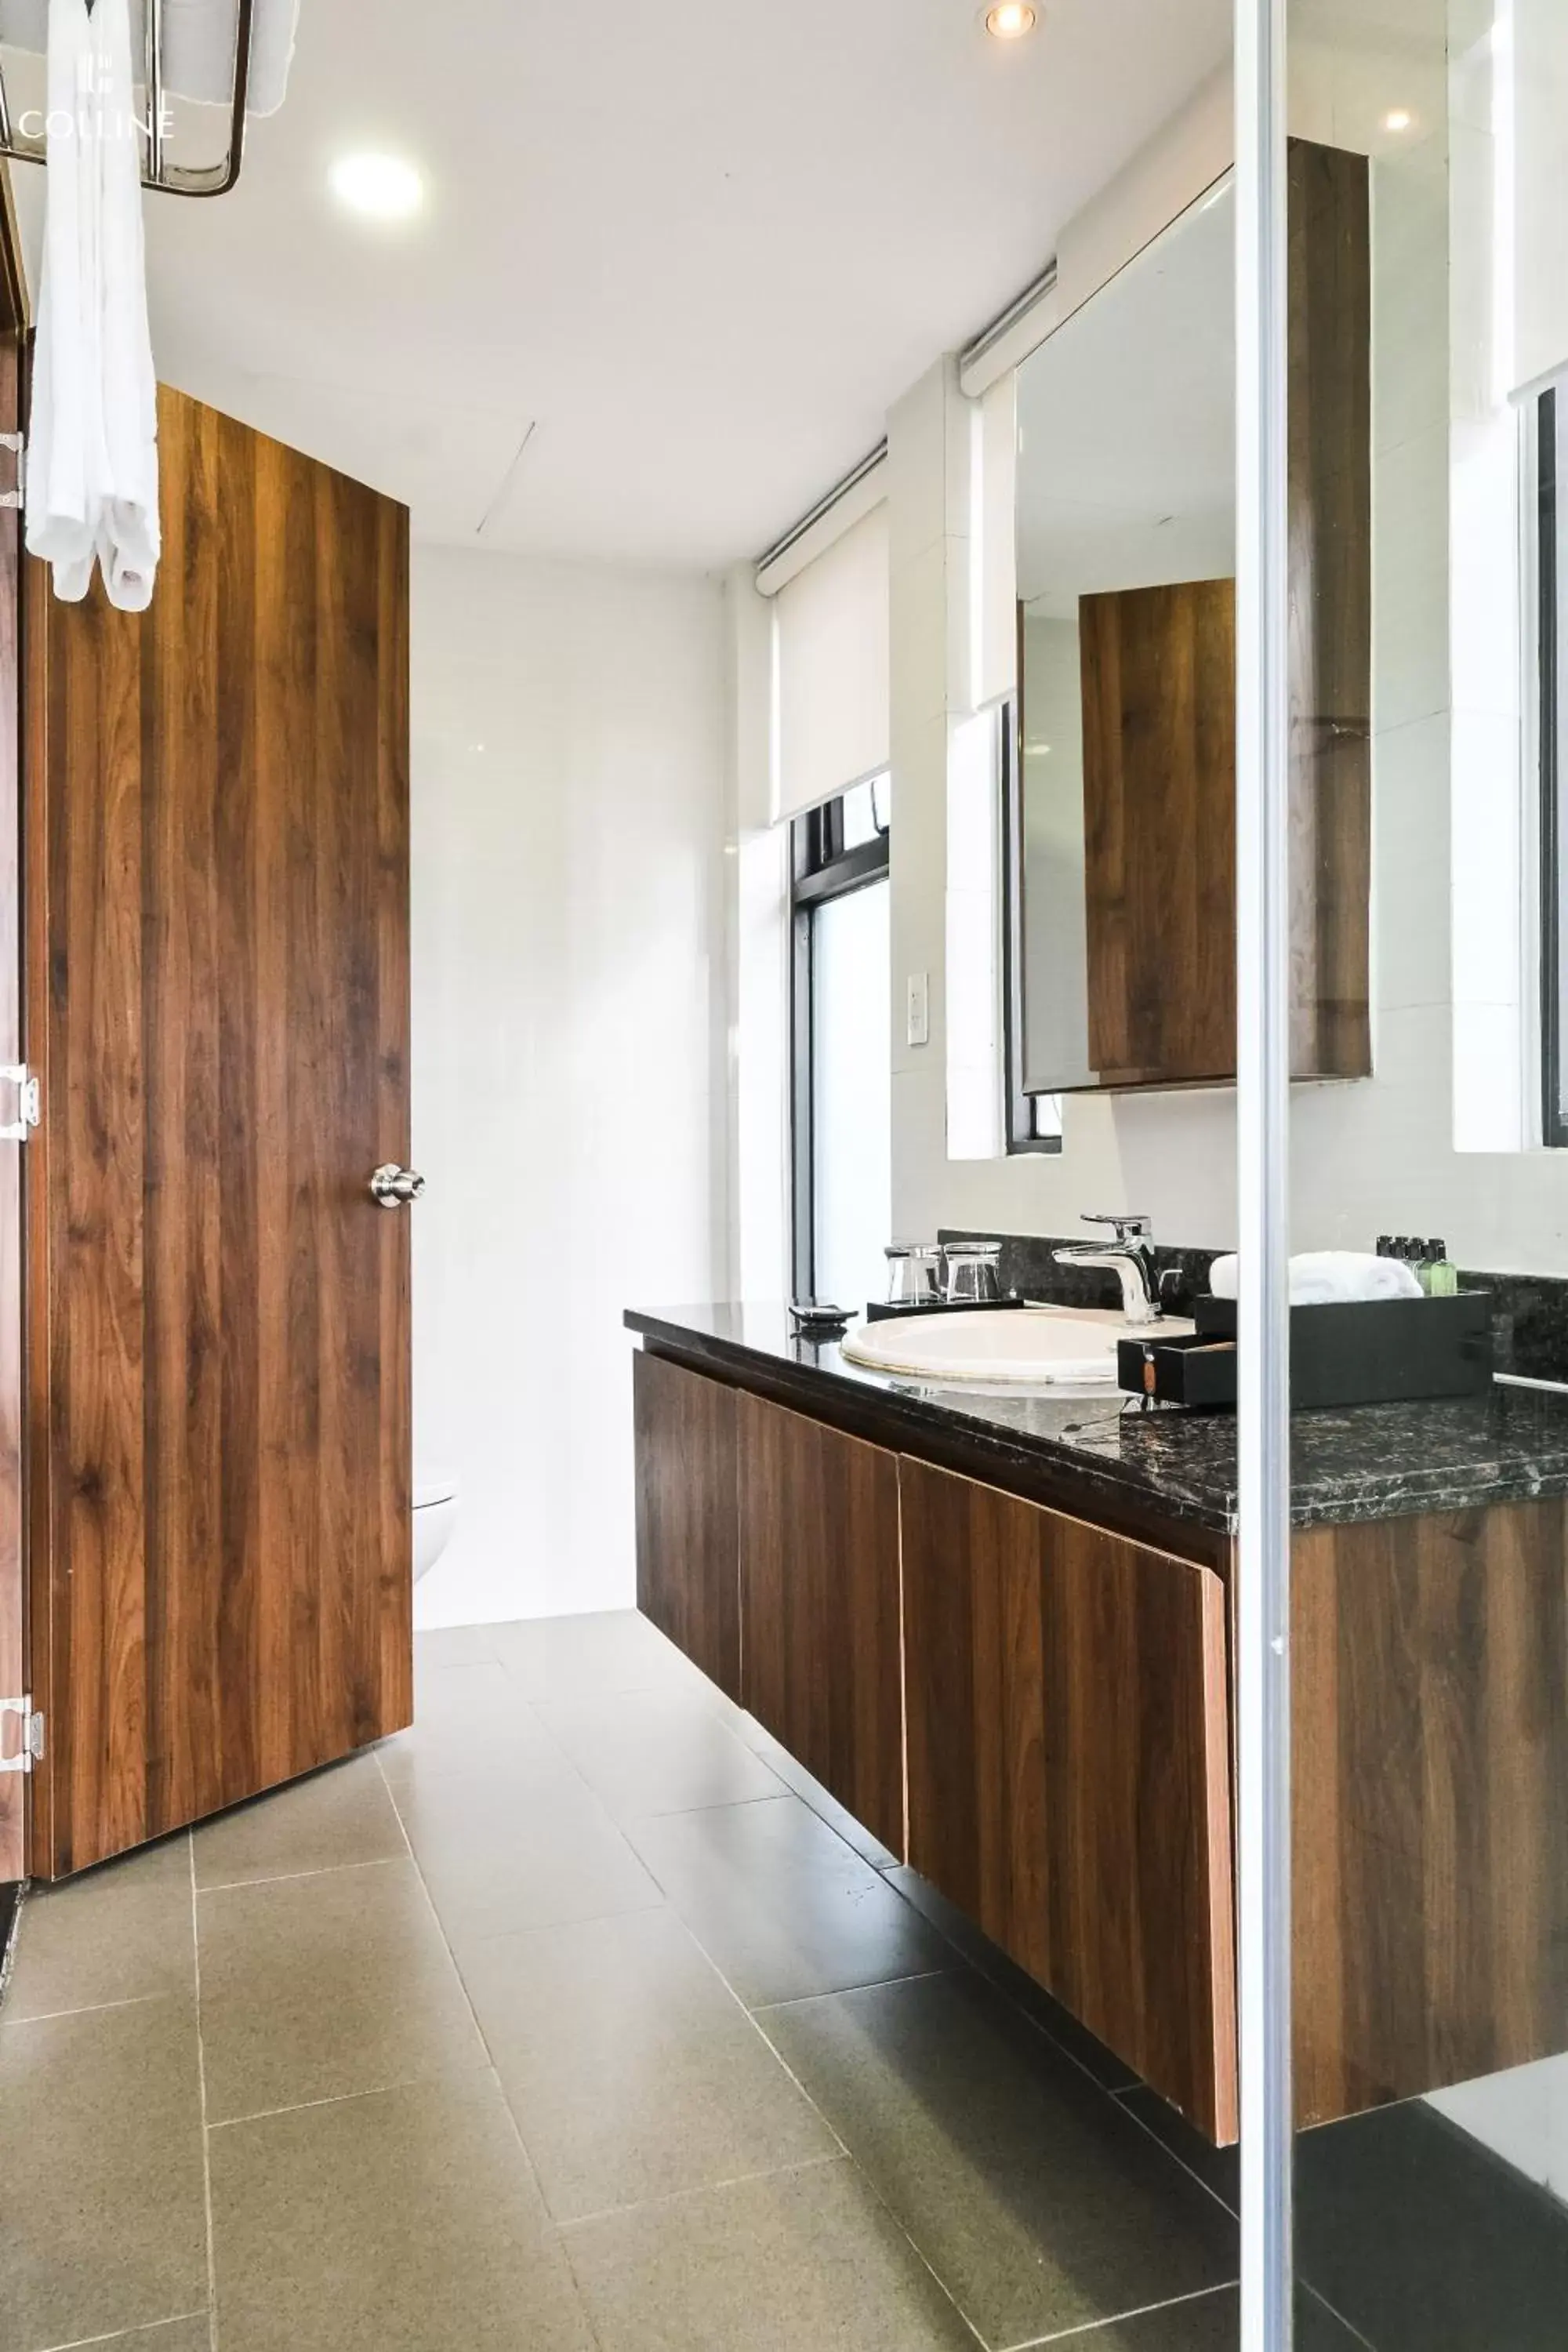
1399,118
1010,20
382,187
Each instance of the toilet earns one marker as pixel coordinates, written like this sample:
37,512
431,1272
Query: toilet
434,1516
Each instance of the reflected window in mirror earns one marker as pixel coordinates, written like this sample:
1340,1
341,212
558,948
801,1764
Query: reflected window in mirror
841,1019
1034,1118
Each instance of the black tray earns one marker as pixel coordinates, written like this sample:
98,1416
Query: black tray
1375,1351
883,1312
1184,1368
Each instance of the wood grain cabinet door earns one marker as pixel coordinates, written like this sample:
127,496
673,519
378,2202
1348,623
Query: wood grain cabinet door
1159,794
819,1602
1068,1786
219,1315
1429,1730
688,1565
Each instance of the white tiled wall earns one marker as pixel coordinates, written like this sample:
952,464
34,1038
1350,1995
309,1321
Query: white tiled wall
570,1091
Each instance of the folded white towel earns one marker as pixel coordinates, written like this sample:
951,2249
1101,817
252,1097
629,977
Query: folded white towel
92,467
1328,1278
199,39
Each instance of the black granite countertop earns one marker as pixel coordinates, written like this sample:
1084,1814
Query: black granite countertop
1375,1462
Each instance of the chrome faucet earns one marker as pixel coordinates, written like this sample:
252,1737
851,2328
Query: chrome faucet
1131,1256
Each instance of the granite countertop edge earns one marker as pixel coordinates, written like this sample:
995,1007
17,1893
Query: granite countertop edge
1380,1462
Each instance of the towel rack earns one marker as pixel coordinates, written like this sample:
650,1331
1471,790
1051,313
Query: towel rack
158,170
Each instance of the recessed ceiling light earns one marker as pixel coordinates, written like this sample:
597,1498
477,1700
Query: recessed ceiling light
1399,118
1010,20
382,187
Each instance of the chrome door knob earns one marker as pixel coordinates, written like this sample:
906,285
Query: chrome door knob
395,1187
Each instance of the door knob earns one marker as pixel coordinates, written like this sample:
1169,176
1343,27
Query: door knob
395,1187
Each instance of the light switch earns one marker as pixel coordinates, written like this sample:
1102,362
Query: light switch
920,1008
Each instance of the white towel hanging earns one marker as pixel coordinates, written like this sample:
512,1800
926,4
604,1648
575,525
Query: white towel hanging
93,472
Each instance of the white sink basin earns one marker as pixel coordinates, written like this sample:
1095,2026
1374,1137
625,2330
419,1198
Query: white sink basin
1026,1346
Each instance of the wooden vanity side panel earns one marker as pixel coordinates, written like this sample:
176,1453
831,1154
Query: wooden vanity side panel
1069,1770
1430,1758
820,1604
1159,795
687,1529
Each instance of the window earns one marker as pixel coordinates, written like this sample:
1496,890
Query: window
842,1021
1034,1120
1552,444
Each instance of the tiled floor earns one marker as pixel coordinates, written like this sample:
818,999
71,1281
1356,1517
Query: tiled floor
576,2018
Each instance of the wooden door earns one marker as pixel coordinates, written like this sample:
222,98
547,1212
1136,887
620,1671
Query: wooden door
218,921
688,1568
13,1569
1067,1768
819,1607
1159,799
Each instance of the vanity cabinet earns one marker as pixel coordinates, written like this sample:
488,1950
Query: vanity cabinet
1068,1782
687,1524
819,1601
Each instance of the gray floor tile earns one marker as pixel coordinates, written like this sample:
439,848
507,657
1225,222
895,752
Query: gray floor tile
994,1964
781,1904
194,2334
335,1818
1039,2203
318,1988
595,1657
520,1849
1425,2240
456,1645
1209,2323
657,1751
800,1782
466,1719
1219,2169
403,2222
801,2262
101,2153
122,1932
632,2070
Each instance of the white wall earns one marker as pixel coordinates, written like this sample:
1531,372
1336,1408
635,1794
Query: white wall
569,1045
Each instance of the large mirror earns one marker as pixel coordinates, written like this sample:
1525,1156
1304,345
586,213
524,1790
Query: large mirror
1126,484
1124,809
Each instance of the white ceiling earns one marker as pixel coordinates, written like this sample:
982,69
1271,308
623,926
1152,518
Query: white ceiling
698,247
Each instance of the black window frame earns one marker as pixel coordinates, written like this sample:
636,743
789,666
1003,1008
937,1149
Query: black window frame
1022,1107
821,870
1554,817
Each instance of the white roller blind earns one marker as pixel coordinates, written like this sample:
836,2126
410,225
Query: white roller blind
997,576
1541,128
830,650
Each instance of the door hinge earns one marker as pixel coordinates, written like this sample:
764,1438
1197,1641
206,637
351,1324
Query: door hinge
30,1102
17,444
31,1750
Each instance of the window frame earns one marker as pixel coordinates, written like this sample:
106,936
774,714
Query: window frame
1552,684
1023,1109
821,870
